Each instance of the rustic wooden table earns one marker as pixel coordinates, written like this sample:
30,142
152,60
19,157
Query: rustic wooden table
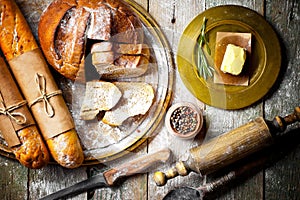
277,179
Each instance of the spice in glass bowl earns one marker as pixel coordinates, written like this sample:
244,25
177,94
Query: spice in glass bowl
184,120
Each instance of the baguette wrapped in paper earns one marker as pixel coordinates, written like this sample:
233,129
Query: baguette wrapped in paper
38,86
17,124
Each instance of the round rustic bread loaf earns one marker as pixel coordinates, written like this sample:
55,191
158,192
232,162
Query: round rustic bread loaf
66,26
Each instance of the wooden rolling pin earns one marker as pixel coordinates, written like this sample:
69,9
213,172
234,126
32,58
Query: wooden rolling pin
229,147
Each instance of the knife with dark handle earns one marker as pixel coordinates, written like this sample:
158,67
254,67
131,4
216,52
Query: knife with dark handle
112,176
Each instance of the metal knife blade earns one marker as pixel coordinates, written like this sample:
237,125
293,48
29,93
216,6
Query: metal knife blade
110,177
93,182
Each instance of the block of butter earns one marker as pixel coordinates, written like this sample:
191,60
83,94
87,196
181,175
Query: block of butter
233,60
242,40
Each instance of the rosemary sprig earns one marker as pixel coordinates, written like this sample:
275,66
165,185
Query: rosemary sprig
203,68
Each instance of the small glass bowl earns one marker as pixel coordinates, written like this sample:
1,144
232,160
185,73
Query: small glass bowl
184,120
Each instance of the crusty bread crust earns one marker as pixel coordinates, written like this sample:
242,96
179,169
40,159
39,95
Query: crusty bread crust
47,31
16,39
66,149
32,152
69,23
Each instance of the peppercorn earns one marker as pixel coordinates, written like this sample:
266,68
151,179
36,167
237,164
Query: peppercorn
184,120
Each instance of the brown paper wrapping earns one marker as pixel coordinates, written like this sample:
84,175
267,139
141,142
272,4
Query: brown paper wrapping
33,76
9,96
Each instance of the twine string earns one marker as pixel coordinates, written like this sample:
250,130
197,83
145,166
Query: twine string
41,83
18,117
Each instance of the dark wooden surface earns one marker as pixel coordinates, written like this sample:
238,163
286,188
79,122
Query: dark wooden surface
278,178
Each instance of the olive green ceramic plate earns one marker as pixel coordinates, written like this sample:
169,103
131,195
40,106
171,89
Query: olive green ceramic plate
265,58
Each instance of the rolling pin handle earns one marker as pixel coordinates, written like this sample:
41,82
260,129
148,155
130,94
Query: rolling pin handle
229,147
279,124
161,178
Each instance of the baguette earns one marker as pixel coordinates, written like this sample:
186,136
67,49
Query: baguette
17,39
32,152
24,139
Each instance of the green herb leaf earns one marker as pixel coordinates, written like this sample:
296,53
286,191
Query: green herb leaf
203,68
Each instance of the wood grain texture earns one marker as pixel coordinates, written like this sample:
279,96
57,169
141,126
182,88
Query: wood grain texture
234,119
52,178
172,19
134,187
279,180
13,180
282,177
230,147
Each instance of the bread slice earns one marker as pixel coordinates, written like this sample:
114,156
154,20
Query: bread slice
102,54
137,98
102,47
131,49
99,96
124,66
101,59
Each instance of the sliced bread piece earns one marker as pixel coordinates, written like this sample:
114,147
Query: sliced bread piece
99,96
102,47
137,98
125,66
103,58
131,49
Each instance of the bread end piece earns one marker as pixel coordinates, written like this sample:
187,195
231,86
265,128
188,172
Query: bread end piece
125,66
32,153
66,149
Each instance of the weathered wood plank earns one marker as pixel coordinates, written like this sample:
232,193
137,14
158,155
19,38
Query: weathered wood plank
173,16
134,187
282,178
13,179
33,15
53,178
221,121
